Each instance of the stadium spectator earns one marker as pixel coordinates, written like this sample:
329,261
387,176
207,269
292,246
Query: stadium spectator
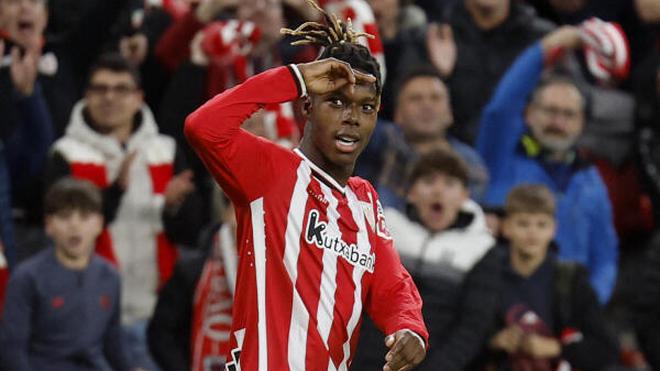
62,309
636,17
479,42
440,237
528,133
190,328
423,115
26,134
402,30
524,309
63,58
113,141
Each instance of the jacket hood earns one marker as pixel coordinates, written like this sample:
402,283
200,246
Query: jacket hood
81,130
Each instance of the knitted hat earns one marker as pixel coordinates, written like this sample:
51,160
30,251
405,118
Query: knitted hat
606,50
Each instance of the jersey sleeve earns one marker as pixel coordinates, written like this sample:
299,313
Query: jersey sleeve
393,302
243,164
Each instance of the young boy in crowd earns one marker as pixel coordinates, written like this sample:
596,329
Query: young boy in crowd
523,309
440,237
62,305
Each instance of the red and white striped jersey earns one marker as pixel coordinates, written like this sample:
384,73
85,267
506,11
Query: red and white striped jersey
312,254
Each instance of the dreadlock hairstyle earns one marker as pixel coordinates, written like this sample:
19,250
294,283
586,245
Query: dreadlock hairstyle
338,40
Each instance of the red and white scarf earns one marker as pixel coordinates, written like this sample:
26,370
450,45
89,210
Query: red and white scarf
212,306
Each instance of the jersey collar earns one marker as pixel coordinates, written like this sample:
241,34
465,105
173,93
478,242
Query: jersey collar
320,173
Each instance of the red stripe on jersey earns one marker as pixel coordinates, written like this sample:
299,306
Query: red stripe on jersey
345,294
279,291
160,176
93,172
310,270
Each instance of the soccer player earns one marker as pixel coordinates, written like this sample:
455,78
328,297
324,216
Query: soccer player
313,247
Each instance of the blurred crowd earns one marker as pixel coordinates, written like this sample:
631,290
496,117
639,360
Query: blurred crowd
479,97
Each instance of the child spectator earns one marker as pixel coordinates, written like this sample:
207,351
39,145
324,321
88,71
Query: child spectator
440,237
149,204
523,309
62,308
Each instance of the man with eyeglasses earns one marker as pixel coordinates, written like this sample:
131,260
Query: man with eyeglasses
112,140
528,134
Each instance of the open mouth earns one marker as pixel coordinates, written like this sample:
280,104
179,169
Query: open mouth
437,207
75,240
555,132
346,143
25,26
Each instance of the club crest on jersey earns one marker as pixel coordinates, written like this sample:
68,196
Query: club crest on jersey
381,227
317,234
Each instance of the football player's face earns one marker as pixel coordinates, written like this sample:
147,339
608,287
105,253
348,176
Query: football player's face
340,125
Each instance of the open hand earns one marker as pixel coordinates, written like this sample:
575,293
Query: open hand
23,70
441,47
330,74
124,174
178,189
406,351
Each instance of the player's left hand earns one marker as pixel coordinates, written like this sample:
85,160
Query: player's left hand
406,351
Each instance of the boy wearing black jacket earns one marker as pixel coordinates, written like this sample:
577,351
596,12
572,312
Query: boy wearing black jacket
521,308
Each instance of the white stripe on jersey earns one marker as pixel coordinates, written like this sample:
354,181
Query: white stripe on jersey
320,171
325,312
259,238
364,247
299,316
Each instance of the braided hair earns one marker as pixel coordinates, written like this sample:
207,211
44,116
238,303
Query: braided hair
338,40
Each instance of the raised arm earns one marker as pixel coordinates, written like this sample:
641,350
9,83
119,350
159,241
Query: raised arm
394,304
242,163
502,122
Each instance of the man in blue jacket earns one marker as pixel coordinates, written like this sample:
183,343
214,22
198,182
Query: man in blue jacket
528,133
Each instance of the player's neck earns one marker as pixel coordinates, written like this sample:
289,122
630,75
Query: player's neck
338,172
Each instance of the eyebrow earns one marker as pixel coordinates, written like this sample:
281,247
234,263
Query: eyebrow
340,93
